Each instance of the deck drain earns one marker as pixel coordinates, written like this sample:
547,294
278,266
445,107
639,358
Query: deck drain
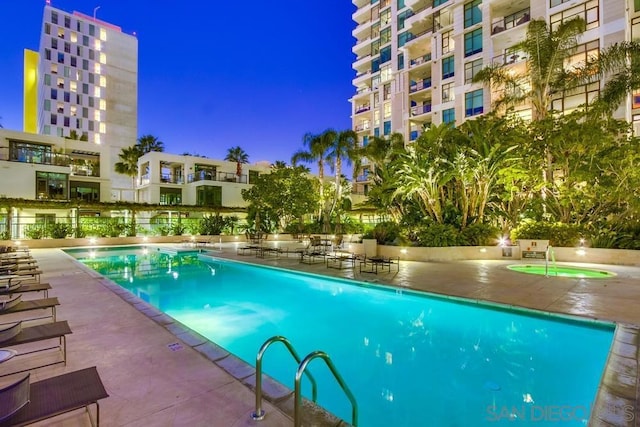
175,346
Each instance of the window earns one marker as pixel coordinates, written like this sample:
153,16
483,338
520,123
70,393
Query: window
67,22
448,67
403,16
375,47
66,121
170,196
51,185
473,42
554,3
449,115
376,118
47,79
582,53
589,11
85,40
85,88
54,68
386,90
67,47
635,100
73,37
209,195
387,109
636,5
253,176
85,64
437,3
387,127
376,99
47,130
79,50
47,54
86,191
92,78
472,13
385,17
67,71
635,28
47,105
448,92
386,73
400,61
47,28
92,30
54,17
385,36
60,58
54,43
376,132
54,93
471,69
74,61
403,38
67,96
92,55
447,42
473,103
400,4
577,97
54,119
385,54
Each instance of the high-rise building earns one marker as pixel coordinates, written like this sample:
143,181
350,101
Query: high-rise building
83,84
415,59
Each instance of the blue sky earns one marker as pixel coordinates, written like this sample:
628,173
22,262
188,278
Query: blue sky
214,74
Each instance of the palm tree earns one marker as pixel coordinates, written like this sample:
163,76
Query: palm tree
148,143
317,148
343,148
128,164
238,155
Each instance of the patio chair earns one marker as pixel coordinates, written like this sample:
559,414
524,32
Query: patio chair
23,403
15,335
16,305
20,288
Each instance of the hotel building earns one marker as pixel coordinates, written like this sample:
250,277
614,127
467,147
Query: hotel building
415,59
83,84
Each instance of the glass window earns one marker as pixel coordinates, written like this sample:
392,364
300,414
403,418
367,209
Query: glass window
85,40
448,93
400,4
449,115
92,30
400,61
376,118
385,36
471,69
387,128
636,5
447,42
473,42
473,103
47,28
376,132
635,28
402,16
209,195
437,3
47,54
54,43
403,38
50,185
54,93
386,73
67,22
375,47
385,54
60,58
54,17
47,79
387,109
87,191
385,17
74,61
386,91
448,67
47,105
253,176
472,13
170,196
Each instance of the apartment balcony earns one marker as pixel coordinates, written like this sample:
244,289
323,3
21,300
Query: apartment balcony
361,78
419,29
363,178
167,178
362,108
421,60
510,57
420,85
418,5
85,170
420,14
363,14
361,92
414,134
501,24
362,63
360,3
361,127
35,155
420,110
362,31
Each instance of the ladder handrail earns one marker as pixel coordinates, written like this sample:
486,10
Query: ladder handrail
297,422
259,413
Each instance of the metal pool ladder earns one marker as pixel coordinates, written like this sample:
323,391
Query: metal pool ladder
302,366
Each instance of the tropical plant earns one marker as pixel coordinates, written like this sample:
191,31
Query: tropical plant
317,147
237,155
343,148
128,163
148,143
58,230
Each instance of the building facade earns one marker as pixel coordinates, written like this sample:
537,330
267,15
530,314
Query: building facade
83,84
416,59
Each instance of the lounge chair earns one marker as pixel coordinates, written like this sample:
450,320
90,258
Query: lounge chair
15,335
18,288
16,305
341,260
23,403
378,263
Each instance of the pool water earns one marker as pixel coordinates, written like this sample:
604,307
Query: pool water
410,359
561,271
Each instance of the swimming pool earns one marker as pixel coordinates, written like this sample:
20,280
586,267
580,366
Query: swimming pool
410,359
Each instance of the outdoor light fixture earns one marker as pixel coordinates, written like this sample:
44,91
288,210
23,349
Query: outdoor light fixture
581,252
92,241
145,239
483,250
17,242
503,241
403,251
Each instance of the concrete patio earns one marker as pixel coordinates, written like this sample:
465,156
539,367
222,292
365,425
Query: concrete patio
159,374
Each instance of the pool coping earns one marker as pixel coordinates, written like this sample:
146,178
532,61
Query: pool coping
617,396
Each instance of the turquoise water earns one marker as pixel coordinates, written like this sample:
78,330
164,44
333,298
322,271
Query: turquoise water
410,359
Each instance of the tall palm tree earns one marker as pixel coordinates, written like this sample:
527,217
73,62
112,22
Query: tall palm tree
148,143
317,148
128,164
238,155
342,149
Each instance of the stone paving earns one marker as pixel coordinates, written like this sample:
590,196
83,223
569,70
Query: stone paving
159,374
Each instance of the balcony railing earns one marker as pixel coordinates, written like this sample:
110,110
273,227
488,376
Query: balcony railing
420,109
25,155
510,21
510,58
362,126
363,178
85,170
171,179
420,85
362,108
232,177
421,60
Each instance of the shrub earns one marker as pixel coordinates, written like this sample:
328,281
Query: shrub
178,228
59,230
213,224
437,235
34,231
478,235
558,234
162,230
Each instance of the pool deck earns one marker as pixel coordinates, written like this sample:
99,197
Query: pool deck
159,374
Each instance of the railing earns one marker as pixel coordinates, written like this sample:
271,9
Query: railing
420,85
363,90
510,57
231,177
258,414
362,126
202,175
511,21
419,61
84,170
420,109
171,179
362,108
363,178
297,416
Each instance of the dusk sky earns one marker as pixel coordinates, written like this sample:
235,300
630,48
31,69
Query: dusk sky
214,74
